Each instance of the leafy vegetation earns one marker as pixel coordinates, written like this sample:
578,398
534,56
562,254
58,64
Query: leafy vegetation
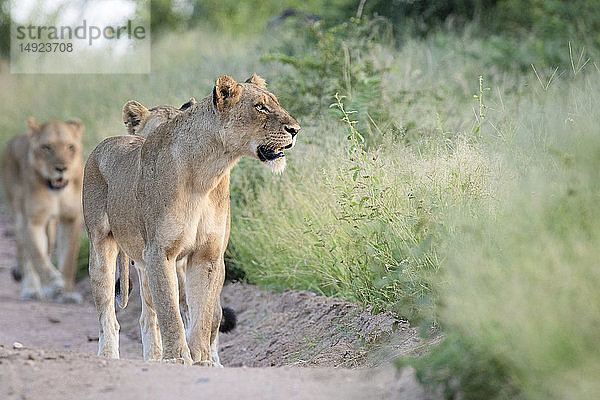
462,367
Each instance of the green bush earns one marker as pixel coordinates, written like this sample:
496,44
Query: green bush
339,59
461,368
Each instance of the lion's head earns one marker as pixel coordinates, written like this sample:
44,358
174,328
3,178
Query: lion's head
142,121
255,123
55,150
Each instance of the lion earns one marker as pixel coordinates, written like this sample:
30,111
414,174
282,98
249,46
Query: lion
165,197
142,121
42,173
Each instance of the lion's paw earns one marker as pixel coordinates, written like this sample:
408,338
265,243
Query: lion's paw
208,363
31,295
177,360
54,290
70,298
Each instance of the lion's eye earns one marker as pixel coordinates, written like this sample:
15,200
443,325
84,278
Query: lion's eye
46,147
71,148
262,108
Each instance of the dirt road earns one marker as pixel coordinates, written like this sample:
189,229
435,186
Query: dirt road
47,350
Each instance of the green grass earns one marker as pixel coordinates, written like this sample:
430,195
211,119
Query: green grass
523,277
475,213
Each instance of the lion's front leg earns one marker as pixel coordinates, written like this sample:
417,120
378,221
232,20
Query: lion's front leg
203,288
162,281
32,287
36,259
68,232
214,339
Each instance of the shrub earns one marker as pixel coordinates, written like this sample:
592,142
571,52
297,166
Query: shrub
339,59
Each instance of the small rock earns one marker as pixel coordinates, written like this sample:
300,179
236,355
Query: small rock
29,362
17,346
92,338
54,320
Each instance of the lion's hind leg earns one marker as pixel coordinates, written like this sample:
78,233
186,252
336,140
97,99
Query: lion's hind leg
103,253
151,341
180,266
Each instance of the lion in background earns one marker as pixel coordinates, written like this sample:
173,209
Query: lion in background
42,173
165,197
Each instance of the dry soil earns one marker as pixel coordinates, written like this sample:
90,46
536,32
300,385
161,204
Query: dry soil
290,345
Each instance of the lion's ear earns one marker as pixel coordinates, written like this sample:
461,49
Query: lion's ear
258,81
189,103
34,127
226,93
77,126
133,114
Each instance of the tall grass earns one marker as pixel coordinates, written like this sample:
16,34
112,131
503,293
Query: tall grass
523,279
364,226
360,212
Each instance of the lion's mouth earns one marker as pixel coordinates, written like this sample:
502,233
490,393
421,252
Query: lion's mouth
266,154
57,183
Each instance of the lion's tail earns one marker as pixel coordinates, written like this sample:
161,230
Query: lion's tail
122,286
228,321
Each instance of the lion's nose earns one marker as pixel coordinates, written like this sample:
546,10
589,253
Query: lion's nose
60,169
292,129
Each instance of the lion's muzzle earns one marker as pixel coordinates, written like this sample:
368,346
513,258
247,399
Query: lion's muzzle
57,183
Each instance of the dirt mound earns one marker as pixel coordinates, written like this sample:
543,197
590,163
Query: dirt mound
298,328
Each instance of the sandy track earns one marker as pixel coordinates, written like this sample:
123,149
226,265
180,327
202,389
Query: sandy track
59,341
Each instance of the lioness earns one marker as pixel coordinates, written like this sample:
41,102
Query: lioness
167,197
42,175
142,121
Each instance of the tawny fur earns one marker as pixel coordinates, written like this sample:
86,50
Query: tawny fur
142,121
161,198
42,173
